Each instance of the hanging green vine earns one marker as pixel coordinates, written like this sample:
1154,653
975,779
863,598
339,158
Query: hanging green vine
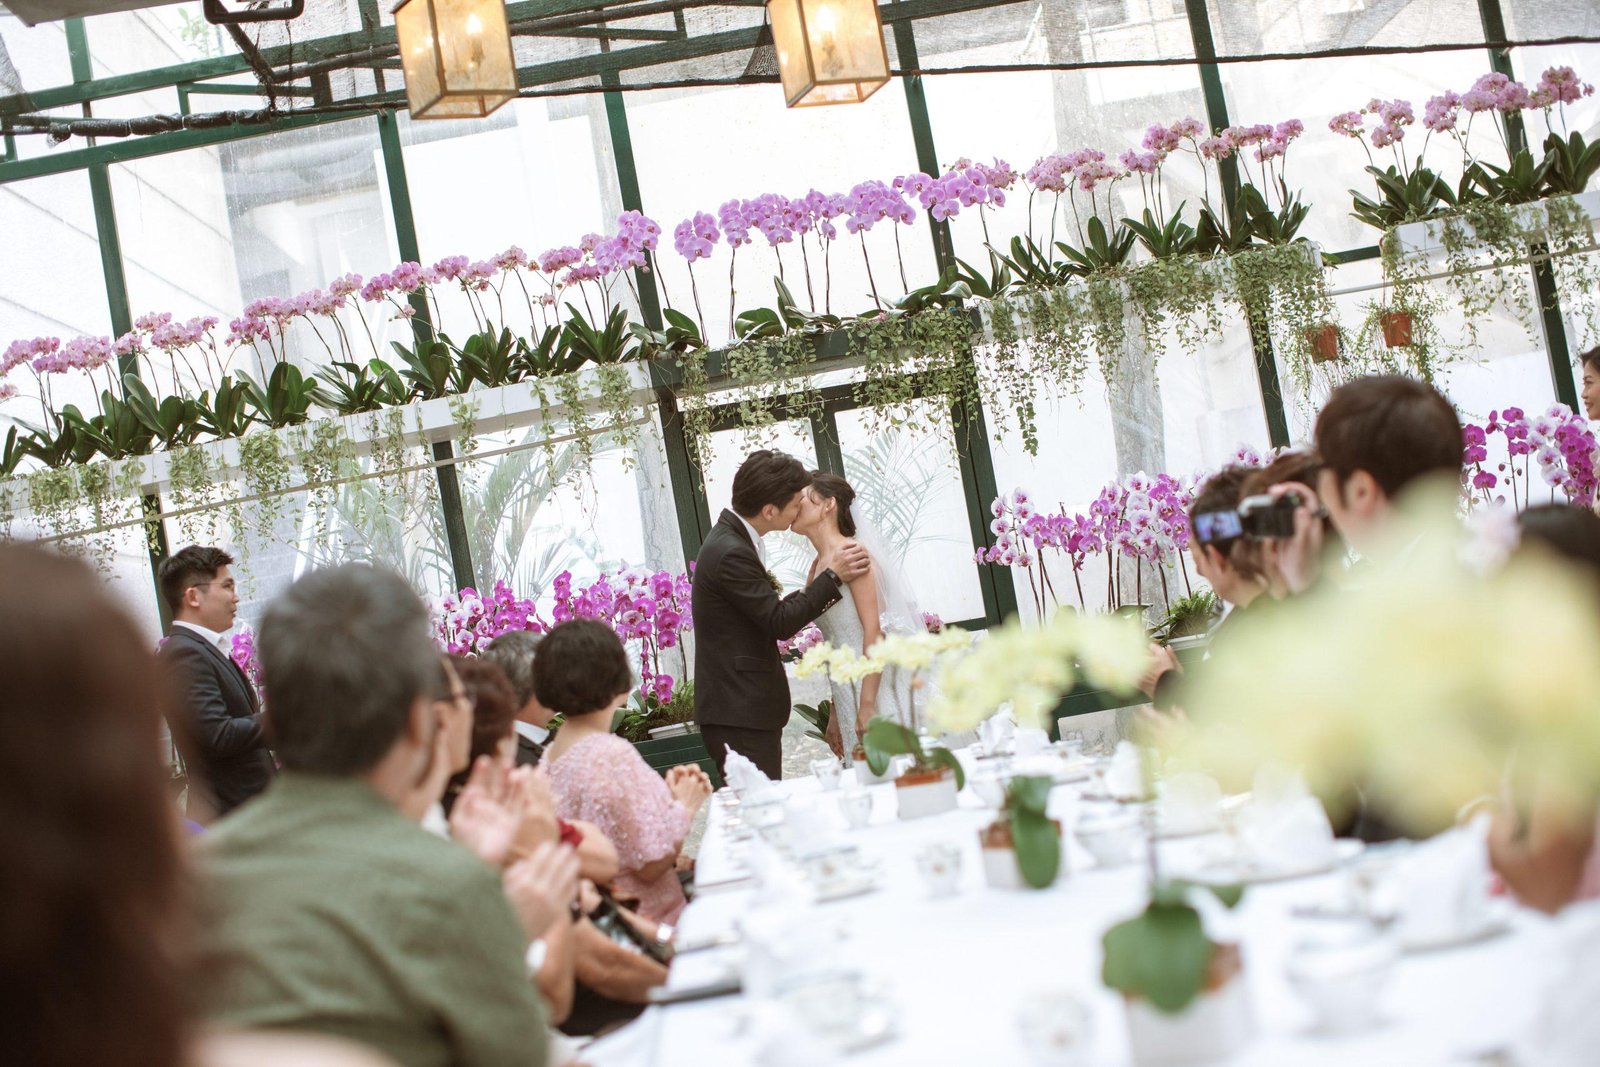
265,468
616,400
192,481
324,454
770,372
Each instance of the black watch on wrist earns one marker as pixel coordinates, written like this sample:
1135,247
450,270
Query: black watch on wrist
829,572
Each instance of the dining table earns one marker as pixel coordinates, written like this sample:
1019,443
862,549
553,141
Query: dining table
966,977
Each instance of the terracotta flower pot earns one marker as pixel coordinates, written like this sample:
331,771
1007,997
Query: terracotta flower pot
1216,1024
864,775
921,792
1000,867
1396,328
1324,341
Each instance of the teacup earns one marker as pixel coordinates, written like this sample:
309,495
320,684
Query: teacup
1057,1028
1110,839
1341,973
939,863
856,804
828,772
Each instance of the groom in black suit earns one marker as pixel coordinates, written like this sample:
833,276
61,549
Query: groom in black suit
741,694
216,722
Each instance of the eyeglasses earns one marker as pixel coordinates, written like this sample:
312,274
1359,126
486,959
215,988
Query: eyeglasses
230,585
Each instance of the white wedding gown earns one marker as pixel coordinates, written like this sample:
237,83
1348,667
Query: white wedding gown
841,626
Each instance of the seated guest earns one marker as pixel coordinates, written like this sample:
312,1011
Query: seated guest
494,707
217,726
1544,851
333,911
513,653
1224,558
1377,437
1590,396
94,902
581,672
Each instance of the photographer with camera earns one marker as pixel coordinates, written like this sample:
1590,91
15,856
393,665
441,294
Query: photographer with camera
1227,556
1376,437
1297,466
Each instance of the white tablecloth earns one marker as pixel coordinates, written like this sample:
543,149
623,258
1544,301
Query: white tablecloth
958,968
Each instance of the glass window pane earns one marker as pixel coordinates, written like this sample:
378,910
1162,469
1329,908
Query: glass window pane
1323,166
206,231
744,143
1251,27
49,224
1548,18
1059,112
538,174
908,485
392,521
534,513
32,57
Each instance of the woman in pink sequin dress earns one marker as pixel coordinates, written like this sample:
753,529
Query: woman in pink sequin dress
581,672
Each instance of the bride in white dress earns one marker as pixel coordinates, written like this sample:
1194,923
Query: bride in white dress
879,603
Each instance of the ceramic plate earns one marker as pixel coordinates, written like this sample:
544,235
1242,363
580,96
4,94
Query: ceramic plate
1495,921
1229,872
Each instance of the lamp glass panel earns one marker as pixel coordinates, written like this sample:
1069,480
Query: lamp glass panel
475,44
788,36
413,25
846,40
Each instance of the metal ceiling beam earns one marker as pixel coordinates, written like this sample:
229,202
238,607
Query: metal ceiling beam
324,49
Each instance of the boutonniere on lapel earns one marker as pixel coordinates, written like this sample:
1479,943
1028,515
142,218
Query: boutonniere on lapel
777,586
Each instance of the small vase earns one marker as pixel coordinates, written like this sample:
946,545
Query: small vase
1214,1026
1324,341
1000,867
1396,328
864,775
921,793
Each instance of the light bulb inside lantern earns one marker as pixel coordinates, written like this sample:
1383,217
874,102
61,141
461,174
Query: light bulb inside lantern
474,24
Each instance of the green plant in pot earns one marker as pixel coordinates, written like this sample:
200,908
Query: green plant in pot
1023,845
930,784
1184,991
1189,616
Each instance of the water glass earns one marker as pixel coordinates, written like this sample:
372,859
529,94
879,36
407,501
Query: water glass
939,863
856,804
1057,1028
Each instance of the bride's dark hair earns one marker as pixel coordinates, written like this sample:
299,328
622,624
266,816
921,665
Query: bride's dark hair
833,487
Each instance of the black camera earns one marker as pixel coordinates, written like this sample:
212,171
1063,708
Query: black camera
1268,518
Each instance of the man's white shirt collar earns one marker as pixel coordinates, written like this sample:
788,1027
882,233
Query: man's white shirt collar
761,548
537,734
221,640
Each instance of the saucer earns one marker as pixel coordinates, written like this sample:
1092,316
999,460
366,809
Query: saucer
845,885
1234,872
1495,920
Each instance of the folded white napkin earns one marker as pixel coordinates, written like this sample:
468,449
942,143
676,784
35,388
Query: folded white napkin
1439,890
746,778
1030,740
1284,827
1125,775
1188,802
995,731
1566,1029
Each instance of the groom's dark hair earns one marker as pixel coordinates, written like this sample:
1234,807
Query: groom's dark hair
767,477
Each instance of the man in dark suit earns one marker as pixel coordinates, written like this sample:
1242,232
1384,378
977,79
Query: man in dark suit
741,694
513,653
217,719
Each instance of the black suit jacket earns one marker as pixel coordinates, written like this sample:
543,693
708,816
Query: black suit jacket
529,752
738,621
217,722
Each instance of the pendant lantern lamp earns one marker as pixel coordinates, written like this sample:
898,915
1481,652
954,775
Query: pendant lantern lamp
456,55
829,51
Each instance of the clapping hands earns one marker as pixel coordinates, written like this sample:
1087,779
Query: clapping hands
503,816
689,785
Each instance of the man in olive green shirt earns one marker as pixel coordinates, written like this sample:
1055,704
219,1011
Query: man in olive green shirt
331,909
